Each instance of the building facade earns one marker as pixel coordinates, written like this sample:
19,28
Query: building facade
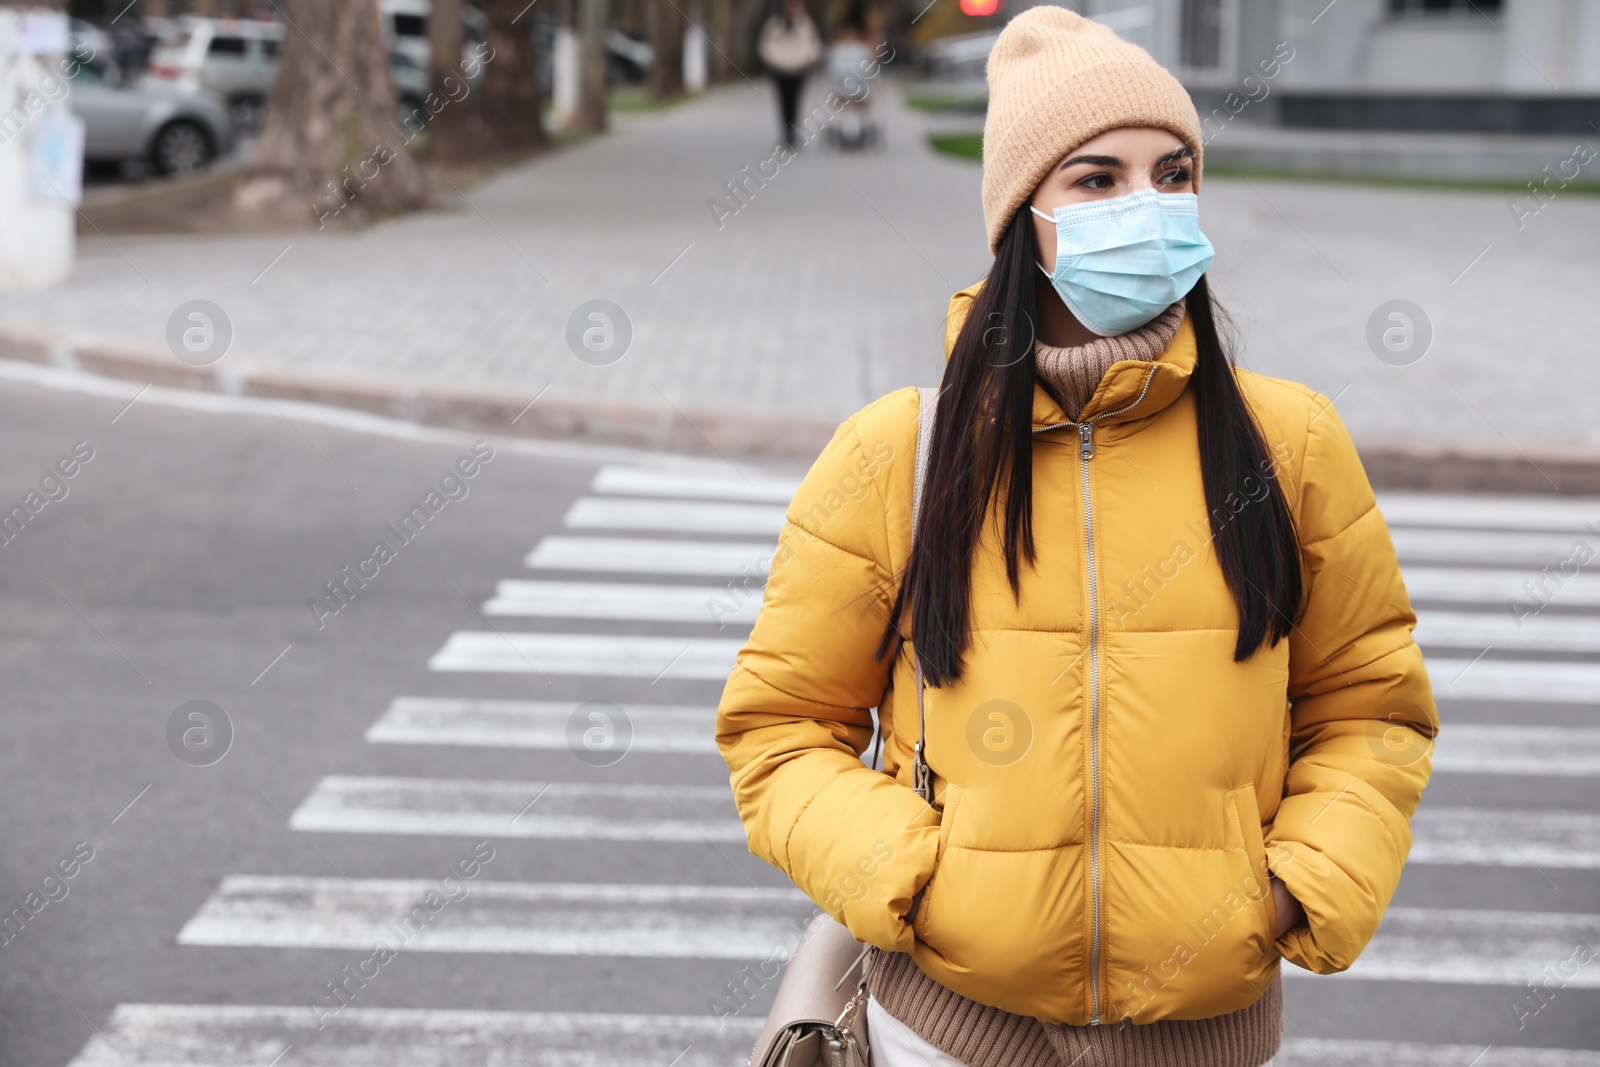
1524,66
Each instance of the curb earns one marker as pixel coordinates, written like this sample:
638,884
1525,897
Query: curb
1392,463
501,413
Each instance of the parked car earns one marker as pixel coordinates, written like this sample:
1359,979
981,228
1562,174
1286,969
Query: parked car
96,40
237,58
174,130
406,23
630,58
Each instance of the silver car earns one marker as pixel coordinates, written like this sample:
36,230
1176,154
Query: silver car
235,57
174,130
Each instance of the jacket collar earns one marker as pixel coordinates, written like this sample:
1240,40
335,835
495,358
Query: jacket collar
1118,397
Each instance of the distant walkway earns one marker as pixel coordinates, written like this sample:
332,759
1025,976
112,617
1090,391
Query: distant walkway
828,287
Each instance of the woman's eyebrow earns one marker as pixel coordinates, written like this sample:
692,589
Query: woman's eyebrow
1177,153
1098,161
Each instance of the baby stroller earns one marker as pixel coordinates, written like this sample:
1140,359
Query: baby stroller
853,127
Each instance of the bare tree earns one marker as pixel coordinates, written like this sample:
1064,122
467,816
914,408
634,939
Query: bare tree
330,138
667,25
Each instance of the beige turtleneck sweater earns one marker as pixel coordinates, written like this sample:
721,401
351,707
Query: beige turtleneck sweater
1075,372
982,1036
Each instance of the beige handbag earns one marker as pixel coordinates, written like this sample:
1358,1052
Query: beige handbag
818,1018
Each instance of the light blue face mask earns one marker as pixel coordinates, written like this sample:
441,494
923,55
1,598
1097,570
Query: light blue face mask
1122,262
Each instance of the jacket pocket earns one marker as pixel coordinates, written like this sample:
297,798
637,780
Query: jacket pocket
947,819
1256,878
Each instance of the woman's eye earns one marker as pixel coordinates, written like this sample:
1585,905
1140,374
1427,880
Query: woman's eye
1175,176
1096,181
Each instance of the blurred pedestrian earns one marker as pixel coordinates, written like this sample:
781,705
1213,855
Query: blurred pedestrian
790,45
1152,714
851,54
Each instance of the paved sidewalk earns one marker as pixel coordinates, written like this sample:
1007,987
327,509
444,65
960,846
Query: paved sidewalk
828,288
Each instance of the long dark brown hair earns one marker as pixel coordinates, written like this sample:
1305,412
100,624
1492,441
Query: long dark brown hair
981,464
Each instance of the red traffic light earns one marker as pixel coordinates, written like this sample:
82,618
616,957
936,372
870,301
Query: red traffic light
979,8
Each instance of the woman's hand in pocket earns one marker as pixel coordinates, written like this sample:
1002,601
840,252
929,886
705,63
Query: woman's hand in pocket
1290,913
916,902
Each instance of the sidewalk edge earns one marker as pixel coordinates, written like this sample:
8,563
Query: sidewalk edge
1392,463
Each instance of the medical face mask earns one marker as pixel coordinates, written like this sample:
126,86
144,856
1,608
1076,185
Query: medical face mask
1122,262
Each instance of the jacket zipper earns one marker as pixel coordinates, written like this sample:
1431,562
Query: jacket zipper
1085,454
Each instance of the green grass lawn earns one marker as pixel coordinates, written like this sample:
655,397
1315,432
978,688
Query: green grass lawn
965,145
976,105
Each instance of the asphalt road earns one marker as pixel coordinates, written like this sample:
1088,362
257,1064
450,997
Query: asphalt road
381,751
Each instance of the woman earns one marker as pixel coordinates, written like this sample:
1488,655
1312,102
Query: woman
1175,720
789,45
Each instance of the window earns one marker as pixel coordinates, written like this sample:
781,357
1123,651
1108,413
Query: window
226,46
1200,46
1410,8
411,25
269,47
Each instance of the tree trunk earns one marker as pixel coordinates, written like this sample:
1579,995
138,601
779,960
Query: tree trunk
509,102
330,138
594,17
723,29
444,42
449,125
667,25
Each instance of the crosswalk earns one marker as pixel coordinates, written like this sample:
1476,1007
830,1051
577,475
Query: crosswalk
652,586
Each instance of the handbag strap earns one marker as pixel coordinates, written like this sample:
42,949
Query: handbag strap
927,411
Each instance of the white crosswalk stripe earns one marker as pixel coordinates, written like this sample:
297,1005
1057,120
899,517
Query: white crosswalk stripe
1490,513
635,481
1329,1052
1473,748
492,809
1486,748
1535,548
738,603
693,814
734,922
1496,838
621,513
716,605
529,918
543,724
1514,680
1528,588
226,1035
598,655
637,555
1541,633
1510,948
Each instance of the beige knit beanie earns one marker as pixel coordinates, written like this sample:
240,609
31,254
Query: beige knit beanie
1057,79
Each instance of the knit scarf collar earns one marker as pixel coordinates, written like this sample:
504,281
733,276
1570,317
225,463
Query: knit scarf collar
1074,372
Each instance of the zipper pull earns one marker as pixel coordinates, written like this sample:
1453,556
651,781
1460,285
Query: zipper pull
1085,442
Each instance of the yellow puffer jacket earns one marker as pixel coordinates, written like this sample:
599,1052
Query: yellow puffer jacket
1308,759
